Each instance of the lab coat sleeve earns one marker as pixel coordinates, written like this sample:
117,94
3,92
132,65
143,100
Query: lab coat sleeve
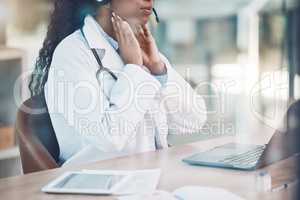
186,110
107,121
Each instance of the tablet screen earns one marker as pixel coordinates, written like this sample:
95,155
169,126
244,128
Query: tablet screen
89,181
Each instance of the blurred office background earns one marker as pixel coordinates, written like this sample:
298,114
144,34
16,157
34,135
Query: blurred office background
238,54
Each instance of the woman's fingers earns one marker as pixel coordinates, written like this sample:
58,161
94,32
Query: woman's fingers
146,30
140,34
119,23
128,45
116,30
124,32
123,28
116,26
127,32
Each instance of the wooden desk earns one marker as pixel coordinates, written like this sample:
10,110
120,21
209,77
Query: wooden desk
174,174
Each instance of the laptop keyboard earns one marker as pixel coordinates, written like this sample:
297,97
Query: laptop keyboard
248,158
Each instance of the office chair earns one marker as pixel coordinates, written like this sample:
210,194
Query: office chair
38,144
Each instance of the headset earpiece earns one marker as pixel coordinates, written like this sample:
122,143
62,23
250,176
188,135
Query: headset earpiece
103,2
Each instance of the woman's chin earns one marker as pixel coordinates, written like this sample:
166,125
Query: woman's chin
138,20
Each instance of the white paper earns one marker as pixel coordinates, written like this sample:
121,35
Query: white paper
204,193
187,193
157,195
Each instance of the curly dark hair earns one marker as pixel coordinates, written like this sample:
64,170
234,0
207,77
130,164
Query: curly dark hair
67,17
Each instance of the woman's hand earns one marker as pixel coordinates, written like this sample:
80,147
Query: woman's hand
151,57
130,49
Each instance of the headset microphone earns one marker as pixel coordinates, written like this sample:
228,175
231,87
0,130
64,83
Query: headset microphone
156,15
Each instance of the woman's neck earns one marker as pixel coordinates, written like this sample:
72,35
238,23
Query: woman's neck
104,19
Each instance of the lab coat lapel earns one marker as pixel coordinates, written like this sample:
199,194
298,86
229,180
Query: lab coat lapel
109,57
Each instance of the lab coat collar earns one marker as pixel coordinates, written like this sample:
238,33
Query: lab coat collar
96,40
94,34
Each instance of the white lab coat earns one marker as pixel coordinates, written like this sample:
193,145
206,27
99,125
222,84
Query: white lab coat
131,115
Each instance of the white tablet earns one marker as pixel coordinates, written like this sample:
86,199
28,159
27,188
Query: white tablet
85,182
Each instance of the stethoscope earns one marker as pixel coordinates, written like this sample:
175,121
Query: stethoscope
104,69
96,55
101,67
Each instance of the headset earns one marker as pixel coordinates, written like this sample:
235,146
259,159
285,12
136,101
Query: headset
103,2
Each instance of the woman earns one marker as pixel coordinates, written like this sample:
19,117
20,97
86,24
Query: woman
131,104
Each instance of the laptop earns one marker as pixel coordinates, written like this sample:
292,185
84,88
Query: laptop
248,157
